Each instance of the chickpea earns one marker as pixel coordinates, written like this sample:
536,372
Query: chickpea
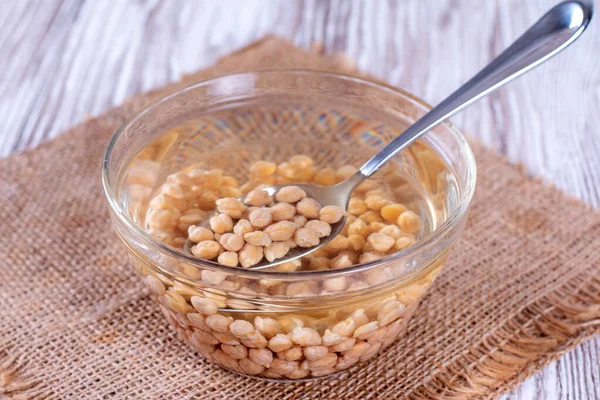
331,214
357,242
283,367
359,227
301,161
237,352
308,207
409,222
291,354
290,194
231,206
305,237
240,328
280,342
242,227
251,368
207,249
338,243
322,229
218,322
392,231
199,234
261,356
335,284
250,255
207,201
391,212
357,206
255,340
344,328
203,305
380,242
276,250
260,217
369,257
319,262
283,211
371,216
376,226
213,277
346,172
228,258
331,339
341,261
305,336
376,202
286,170
221,223
403,242
313,353
267,326
281,231
325,177
231,242
258,238
191,217
228,191
289,322
164,219
379,276
305,175
345,345
263,169
299,221
258,198
365,331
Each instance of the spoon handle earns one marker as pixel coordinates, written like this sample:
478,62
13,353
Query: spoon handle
557,29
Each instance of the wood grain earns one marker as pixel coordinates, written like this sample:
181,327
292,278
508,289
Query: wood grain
64,59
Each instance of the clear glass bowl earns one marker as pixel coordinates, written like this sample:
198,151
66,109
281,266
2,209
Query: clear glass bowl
229,123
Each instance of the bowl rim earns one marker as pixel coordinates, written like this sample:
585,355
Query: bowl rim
453,218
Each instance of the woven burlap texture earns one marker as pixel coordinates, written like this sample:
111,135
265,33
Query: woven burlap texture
520,288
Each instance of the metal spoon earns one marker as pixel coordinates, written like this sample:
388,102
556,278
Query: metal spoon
557,29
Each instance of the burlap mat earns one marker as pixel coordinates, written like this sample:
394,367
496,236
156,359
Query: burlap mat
520,288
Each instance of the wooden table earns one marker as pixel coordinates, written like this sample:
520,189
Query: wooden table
62,60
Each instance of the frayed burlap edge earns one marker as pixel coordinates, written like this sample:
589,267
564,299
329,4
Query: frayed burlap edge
14,379
550,327
506,357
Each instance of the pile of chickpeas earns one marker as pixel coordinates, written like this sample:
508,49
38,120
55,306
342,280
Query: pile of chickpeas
376,226
229,319
243,232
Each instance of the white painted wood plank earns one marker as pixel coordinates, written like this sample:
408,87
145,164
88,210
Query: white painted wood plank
62,60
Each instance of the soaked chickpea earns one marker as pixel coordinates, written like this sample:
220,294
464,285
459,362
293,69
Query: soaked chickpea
305,237
258,198
221,223
283,211
263,169
199,234
409,222
308,207
260,217
290,194
207,249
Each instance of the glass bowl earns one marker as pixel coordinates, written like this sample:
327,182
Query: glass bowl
274,324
